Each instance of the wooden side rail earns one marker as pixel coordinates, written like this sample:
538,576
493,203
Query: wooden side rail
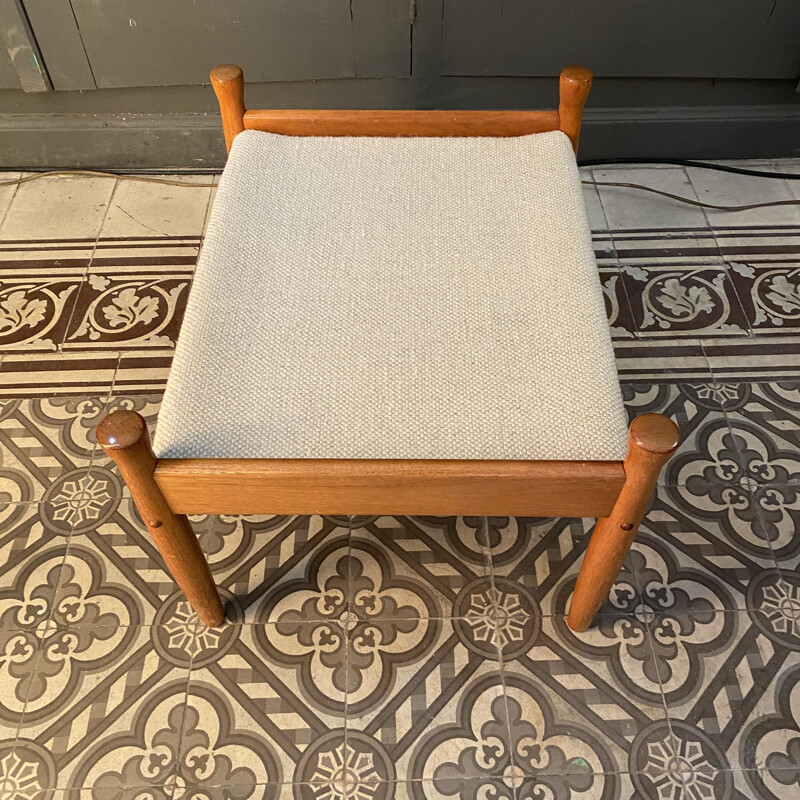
228,83
362,486
401,123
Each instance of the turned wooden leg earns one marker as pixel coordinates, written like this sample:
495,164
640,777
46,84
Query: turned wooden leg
124,436
652,438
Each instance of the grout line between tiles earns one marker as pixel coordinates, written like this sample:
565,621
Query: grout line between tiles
648,627
68,327
347,640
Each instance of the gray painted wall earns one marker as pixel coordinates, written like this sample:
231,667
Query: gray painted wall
128,78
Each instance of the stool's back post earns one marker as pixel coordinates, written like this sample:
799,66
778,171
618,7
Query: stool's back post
228,83
124,437
573,89
652,439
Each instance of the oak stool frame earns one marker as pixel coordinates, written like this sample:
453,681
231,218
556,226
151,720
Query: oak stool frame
615,492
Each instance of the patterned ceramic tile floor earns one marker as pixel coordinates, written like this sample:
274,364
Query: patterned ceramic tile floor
390,657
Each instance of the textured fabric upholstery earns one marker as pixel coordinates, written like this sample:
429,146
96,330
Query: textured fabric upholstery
395,298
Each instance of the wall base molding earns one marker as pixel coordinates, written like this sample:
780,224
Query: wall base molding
193,141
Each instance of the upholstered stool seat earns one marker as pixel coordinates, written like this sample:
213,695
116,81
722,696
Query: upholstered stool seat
396,298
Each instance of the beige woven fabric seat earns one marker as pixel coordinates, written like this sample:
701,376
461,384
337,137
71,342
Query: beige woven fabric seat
425,298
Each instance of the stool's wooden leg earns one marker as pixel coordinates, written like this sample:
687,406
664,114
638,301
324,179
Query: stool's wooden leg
652,438
124,437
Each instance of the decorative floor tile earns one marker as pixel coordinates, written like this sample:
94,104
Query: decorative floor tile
773,410
290,567
683,300
618,310
605,676
448,788
30,573
707,545
760,358
743,702
143,372
778,509
765,457
400,670
555,749
46,449
462,733
685,247
37,298
766,785
663,360
266,705
532,554
770,296
673,759
113,567
100,703
18,655
427,563
132,305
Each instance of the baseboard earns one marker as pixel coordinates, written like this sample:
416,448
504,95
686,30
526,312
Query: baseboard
191,141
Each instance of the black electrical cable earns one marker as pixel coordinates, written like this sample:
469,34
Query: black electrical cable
619,184
681,162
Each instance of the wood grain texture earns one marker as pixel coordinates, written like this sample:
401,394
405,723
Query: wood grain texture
228,83
323,486
651,440
124,437
400,122
573,89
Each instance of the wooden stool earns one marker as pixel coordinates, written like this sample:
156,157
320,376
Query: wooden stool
395,312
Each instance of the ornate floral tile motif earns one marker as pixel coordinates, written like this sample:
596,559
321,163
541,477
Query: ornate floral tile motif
425,562
133,295
47,238
37,297
683,300
765,419
291,567
261,565
737,721
770,295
